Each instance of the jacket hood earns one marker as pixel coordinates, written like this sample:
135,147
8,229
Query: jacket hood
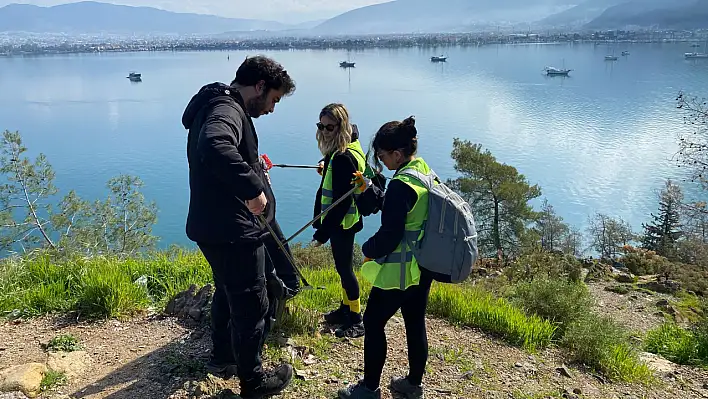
208,94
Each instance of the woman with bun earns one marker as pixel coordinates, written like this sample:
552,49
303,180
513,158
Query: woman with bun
398,282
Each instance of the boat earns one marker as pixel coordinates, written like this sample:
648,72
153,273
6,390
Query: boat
695,45
610,58
347,64
438,58
553,71
625,52
695,55
134,76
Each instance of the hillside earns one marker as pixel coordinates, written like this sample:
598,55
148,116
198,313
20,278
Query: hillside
580,14
683,14
94,17
404,16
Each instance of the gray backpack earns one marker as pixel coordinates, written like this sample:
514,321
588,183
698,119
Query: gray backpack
448,248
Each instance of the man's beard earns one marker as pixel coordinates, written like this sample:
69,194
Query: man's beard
256,106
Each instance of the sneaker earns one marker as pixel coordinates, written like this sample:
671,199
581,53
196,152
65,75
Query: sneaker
270,383
337,317
353,328
222,370
406,390
359,391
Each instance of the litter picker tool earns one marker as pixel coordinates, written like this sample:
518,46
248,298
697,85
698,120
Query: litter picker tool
270,165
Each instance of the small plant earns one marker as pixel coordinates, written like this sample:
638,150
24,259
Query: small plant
52,379
619,289
64,343
679,345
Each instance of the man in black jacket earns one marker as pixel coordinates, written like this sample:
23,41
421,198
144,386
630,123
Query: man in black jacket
228,192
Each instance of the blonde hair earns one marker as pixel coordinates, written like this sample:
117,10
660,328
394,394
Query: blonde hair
337,141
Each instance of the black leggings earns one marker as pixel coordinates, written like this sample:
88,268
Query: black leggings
343,252
382,305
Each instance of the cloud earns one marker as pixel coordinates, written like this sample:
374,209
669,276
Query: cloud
292,11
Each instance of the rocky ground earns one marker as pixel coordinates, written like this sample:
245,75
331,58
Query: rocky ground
162,357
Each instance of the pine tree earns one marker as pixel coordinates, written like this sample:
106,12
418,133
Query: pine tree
664,230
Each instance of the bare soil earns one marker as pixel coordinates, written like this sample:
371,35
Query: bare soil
159,358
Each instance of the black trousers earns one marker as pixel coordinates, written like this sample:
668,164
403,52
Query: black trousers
240,305
381,306
342,242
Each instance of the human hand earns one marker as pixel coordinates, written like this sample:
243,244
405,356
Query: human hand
367,259
258,204
320,168
267,175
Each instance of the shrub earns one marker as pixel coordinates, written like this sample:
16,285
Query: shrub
642,262
679,345
559,301
544,265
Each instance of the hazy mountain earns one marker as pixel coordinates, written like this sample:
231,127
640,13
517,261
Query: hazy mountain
404,16
93,17
678,13
580,14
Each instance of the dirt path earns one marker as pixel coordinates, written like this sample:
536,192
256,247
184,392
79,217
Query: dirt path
160,358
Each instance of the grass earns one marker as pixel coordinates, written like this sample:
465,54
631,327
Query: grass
536,314
52,379
680,345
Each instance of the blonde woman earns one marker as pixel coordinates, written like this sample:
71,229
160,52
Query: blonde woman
338,141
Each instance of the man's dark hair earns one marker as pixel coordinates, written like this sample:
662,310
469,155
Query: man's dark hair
255,69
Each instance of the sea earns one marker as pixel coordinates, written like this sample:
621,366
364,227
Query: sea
602,139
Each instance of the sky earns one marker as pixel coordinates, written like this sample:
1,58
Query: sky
288,11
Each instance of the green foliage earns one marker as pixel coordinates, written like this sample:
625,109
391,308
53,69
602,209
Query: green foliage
559,301
472,307
644,262
600,343
555,235
498,194
542,264
679,345
64,343
608,235
52,379
664,231
33,217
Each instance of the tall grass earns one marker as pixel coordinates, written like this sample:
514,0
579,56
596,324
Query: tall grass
680,345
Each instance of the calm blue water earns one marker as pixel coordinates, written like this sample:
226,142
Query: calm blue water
600,140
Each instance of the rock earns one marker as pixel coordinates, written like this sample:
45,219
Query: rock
657,363
563,370
191,304
590,391
13,395
577,391
468,375
210,386
72,364
664,287
25,378
518,365
623,277
705,386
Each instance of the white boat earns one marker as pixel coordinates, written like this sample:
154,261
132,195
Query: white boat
553,71
438,58
625,52
134,76
610,58
695,55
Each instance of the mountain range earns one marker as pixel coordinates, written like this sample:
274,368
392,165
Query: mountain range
398,16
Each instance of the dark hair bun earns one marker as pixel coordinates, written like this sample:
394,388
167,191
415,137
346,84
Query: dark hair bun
408,127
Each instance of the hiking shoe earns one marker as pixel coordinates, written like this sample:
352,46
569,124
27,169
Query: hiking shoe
222,370
337,317
359,391
406,390
270,383
353,328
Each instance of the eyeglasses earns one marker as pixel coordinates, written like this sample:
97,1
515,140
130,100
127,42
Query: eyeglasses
322,126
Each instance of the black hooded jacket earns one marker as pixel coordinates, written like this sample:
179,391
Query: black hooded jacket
224,168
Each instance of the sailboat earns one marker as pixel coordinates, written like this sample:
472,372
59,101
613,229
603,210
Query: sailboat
612,57
553,71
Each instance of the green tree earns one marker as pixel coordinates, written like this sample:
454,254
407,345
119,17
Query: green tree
662,233
499,196
551,228
32,215
693,146
608,235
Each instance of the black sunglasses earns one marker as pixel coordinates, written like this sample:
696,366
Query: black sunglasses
322,126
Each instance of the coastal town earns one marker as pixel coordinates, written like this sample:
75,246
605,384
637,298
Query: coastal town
14,44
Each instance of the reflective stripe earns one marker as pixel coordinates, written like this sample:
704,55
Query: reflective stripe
327,193
352,209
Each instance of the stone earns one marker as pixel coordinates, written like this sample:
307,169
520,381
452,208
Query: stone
563,370
191,304
657,363
13,395
622,277
72,364
25,378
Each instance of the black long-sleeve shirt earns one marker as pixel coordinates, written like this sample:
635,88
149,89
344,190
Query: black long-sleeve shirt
398,201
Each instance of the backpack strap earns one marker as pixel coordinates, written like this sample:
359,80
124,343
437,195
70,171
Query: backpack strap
428,181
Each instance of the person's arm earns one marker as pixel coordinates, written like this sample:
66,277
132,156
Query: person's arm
343,169
217,146
399,200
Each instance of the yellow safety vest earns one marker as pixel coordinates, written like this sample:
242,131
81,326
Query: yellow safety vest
326,199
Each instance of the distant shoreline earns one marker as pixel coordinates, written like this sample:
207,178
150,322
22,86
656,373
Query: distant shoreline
30,48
